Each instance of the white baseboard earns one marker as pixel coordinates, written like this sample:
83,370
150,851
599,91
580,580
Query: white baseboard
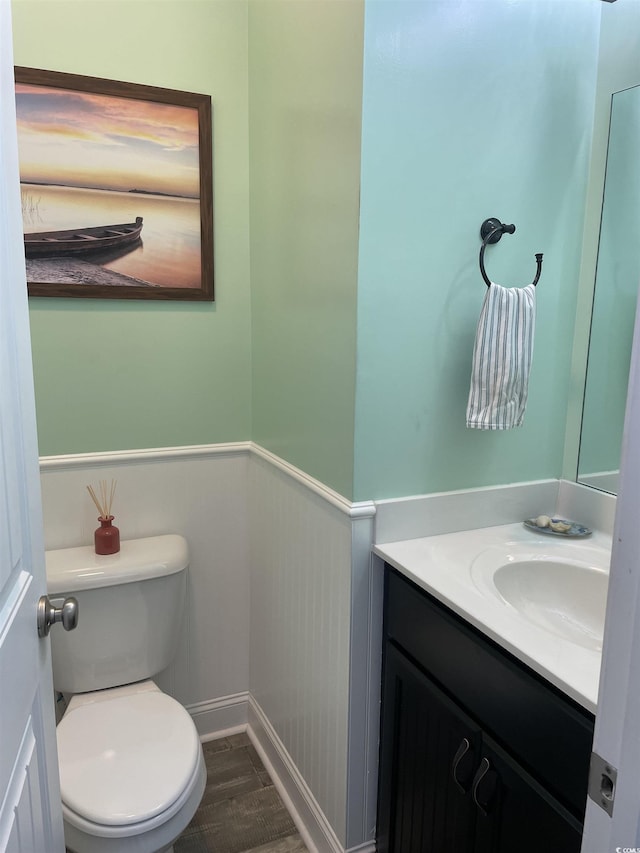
220,717
240,712
313,826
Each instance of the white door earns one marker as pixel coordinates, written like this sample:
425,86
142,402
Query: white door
30,812
617,733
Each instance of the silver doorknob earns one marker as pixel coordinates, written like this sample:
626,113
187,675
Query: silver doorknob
49,614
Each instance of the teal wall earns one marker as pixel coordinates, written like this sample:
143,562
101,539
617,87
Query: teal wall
470,110
305,62
114,374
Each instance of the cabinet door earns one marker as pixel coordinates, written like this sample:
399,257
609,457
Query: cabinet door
514,813
430,752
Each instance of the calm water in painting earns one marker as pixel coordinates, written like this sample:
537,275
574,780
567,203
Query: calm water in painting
170,252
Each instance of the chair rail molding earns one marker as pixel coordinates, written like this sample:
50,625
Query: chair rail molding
108,458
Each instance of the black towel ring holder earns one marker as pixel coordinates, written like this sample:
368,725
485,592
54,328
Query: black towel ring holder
491,231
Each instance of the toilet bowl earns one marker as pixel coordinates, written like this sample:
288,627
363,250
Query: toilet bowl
132,770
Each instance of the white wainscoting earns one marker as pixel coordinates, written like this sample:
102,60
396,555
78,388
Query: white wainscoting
201,494
284,612
310,578
316,832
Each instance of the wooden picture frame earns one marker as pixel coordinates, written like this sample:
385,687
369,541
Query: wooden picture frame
117,188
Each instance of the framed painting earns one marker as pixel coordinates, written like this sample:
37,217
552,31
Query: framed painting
117,188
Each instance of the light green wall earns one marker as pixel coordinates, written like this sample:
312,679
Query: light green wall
115,374
305,106
618,69
470,109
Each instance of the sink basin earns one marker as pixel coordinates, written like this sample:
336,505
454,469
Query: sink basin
563,595
567,599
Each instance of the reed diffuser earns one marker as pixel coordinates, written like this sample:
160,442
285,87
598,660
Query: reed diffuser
107,537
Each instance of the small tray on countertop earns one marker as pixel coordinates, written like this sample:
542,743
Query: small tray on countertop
575,531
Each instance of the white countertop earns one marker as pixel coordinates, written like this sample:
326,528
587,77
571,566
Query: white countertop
442,565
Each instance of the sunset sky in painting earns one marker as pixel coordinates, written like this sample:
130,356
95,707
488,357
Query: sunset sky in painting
84,140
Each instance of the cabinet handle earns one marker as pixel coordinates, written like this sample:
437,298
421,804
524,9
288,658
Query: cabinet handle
463,749
481,772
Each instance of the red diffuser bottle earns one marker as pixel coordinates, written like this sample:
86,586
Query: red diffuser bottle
107,537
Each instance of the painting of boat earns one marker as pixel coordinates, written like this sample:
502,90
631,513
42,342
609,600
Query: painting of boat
82,241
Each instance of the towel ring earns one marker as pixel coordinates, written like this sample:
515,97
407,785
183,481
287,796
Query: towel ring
491,231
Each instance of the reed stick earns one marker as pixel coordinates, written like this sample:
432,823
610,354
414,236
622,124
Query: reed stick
104,504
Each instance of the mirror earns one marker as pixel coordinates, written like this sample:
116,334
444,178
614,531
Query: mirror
614,302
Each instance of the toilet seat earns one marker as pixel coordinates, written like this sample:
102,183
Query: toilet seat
188,801
128,759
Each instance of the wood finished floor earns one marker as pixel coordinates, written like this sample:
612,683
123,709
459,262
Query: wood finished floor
240,811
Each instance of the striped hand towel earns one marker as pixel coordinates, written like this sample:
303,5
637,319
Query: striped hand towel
502,358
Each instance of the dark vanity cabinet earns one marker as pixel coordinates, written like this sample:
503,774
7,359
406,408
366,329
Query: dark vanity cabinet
478,753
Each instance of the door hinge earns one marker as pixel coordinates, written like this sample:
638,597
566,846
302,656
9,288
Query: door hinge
602,782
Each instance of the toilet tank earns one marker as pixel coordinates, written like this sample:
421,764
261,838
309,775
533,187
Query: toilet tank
130,609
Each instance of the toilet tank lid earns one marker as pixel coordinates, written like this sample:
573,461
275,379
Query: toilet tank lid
75,569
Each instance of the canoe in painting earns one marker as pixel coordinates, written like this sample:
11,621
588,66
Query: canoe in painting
81,241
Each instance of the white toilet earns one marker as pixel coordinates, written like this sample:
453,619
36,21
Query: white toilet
132,771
